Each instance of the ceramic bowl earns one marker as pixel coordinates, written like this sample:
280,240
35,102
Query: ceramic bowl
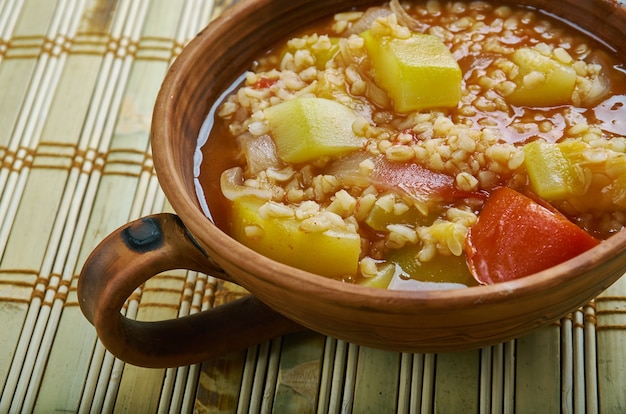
284,299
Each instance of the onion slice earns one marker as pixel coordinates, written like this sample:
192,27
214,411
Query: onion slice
365,22
260,153
405,19
373,92
231,184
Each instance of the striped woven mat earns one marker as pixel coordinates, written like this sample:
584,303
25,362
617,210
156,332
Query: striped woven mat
78,79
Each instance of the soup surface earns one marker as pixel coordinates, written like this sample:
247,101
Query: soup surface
422,145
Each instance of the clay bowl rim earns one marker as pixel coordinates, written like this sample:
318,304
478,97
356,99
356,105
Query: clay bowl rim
225,249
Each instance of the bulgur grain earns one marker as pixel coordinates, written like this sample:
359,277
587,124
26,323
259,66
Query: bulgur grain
253,231
368,267
466,181
399,153
274,209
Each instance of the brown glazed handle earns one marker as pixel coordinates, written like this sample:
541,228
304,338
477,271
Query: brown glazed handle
133,254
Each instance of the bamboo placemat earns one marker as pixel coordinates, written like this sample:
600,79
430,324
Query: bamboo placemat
78,81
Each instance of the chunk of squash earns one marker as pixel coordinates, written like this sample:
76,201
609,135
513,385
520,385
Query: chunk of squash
551,174
304,129
417,73
542,80
332,253
589,178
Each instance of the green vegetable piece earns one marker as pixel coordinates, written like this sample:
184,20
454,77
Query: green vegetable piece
418,72
305,129
381,279
378,218
542,80
441,269
332,253
552,176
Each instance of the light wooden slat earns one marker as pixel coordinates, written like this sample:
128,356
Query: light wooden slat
271,378
567,365
347,399
300,368
611,346
578,362
376,384
24,24
258,380
591,358
538,367
404,388
9,12
224,381
12,316
456,382
334,375
219,384
509,377
417,382
427,391
15,75
33,14
487,384
58,389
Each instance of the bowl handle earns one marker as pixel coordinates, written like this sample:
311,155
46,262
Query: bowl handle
133,254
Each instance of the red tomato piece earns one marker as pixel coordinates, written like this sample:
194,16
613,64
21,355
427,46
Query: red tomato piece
263,83
516,237
417,181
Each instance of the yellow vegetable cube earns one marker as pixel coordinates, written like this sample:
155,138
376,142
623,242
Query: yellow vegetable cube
542,81
552,176
417,73
304,129
332,253
587,178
